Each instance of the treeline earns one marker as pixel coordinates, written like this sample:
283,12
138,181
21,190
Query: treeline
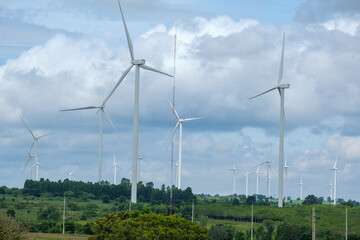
106,191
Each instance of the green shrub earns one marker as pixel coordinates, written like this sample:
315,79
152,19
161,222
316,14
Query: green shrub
10,228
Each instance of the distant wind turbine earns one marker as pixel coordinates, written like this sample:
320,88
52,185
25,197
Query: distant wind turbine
176,171
246,174
139,160
101,109
69,174
179,123
301,188
138,63
286,179
331,185
29,160
268,172
234,177
257,178
115,165
281,88
334,169
35,141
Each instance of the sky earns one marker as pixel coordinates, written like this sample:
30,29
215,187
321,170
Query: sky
66,54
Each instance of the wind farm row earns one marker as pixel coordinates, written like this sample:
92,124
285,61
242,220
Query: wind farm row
140,65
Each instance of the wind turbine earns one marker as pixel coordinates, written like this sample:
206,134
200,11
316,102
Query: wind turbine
35,141
268,173
138,63
334,169
301,188
115,165
176,170
69,174
281,88
29,159
286,179
138,173
257,179
234,177
331,185
180,122
101,109
246,174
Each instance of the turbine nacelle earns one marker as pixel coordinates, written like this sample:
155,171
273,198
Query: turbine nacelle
284,85
138,62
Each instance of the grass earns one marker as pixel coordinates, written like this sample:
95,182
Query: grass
54,236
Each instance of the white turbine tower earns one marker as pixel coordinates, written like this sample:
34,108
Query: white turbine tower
286,179
281,88
334,169
101,109
257,179
234,177
69,174
138,173
331,186
176,171
246,174
301,188
35,141
115,165
179,123
268,173
138,63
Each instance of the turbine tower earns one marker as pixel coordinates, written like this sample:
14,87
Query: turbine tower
286,179
115,165
301,188
234,177
334,169
138,63
246,174
268,172
35,141
330,185
101,109
281,88
257,179
179,123
138,173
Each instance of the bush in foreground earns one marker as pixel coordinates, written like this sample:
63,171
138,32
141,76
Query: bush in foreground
146,225
10,228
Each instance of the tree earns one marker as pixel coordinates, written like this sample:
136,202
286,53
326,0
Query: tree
310,200
146,225
250,200
220,232
10,213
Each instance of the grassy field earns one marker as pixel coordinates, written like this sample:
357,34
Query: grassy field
54,236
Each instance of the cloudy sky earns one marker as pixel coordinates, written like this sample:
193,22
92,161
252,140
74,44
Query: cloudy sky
66,54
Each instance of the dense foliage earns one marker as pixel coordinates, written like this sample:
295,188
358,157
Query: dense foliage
146,225
10,228
106,191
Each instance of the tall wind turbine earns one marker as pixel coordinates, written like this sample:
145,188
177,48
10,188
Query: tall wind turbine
35,141
331,186
246,174
115,165
138,63
286,179
69,174
234,177
334,169
301,188
101,109
179,123
281,88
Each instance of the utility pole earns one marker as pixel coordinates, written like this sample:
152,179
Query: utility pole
64,216
192,212
346,224
252,221
313,223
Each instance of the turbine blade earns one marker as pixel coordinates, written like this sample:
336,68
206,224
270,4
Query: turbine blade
192,119
282,61
32,134
154,70
131,48
335,163
112,124
107,89
117,84
264,92
76,109
172,107
45,135
172,135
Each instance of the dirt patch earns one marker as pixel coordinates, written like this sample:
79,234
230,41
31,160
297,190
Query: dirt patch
55,236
